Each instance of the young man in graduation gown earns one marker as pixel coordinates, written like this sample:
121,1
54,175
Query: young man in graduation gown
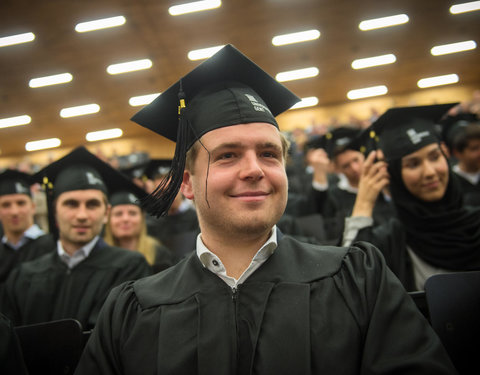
251,300
73,280
23,240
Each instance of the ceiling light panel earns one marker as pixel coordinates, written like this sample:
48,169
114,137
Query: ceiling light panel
16,39
446,79
99,24
204,53
79,110
196,6
374,61
306,102
135,101
382,22
465,7
453,48
15,121
302,36
104,134
130,66
50,80
42,144
367,92
297,74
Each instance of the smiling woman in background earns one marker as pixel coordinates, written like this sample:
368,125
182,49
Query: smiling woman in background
126,228
434,232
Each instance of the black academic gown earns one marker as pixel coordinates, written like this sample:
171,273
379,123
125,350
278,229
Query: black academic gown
177,232
471,192
306,310
46,289
10,258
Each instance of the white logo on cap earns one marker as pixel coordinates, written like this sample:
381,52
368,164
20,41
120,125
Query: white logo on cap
132,198
256,105
93,180
417,137
20,189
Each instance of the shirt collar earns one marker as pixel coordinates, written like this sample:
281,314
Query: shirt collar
343,184
473,178
79,255
212,262
32,233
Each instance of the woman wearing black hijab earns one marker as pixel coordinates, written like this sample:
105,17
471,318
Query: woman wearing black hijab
434,232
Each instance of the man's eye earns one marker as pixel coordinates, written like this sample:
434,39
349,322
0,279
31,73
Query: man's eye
227,155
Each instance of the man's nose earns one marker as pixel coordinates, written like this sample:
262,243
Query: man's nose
251,168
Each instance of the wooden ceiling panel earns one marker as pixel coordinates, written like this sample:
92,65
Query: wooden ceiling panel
150,32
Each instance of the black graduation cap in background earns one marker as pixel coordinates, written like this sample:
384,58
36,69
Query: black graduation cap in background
452,126
226,89
157,168
80,170
403,130
365,141
15,182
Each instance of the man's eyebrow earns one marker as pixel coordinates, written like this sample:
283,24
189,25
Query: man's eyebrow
227,145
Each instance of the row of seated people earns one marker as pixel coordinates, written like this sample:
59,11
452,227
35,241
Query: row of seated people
52,286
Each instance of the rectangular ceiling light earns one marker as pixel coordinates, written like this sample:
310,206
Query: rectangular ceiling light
103,134
297,74
204,53
50,80
367,92
135,101
15,121
196,6
103,23
302,36
306,102
129,66
79,110
378,23
42,144
465,7
16,39
446,79
374,61
453,48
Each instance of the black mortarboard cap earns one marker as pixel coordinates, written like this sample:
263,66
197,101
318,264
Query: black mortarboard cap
15,182
226,89
403,130
365,141
157,168
341,139
130,194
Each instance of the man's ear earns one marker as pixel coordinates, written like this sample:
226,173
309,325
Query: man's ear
107,213
187,188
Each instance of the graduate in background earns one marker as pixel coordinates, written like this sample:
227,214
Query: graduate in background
434,231
22,240
73,280
126,228
250,299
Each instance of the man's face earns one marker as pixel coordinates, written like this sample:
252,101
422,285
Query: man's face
246,188
16,213
350,163
80,216
470,156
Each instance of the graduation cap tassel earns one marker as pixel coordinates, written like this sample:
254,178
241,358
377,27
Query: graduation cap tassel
158,203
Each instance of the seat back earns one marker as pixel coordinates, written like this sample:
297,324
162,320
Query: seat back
454,305
52,347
